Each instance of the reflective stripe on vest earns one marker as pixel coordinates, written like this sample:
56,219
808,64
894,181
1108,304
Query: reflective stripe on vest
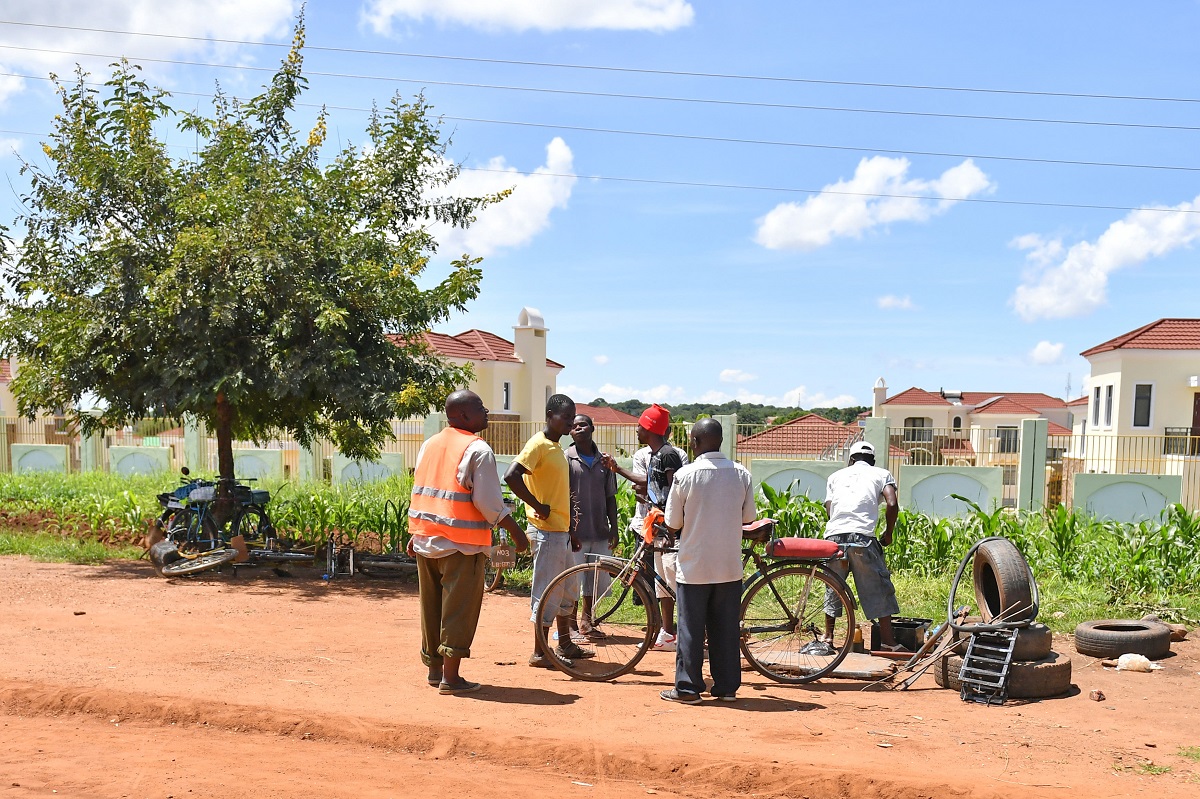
440,504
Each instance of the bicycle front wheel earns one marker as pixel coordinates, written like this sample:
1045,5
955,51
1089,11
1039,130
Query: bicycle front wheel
212,559
624,630
784,626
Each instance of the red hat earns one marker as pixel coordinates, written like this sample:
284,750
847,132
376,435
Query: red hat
656,419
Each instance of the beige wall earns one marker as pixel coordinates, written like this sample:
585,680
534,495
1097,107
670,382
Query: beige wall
1168,371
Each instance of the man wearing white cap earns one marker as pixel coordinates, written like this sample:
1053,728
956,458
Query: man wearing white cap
852,498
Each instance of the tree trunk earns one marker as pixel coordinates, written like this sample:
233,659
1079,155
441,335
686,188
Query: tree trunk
225,476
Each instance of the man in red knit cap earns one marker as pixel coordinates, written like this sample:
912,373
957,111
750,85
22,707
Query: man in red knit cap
665,460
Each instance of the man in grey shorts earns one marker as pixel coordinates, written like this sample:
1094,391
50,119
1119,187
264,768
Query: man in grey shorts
852,498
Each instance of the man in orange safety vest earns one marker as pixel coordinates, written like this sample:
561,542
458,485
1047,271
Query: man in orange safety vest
456,502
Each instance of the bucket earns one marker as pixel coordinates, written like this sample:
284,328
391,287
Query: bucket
909,632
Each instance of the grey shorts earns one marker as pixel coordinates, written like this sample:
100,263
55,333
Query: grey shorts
552,556
667,565
588,554
872,582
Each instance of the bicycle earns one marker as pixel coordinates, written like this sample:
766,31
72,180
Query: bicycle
198,539
783,622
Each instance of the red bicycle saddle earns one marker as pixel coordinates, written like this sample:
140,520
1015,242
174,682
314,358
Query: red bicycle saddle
804,548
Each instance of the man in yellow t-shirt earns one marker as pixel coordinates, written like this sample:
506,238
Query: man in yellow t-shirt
540,478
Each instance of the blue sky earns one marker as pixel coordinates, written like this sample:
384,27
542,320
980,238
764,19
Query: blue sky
932,249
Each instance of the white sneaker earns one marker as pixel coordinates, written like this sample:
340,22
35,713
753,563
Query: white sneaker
665,642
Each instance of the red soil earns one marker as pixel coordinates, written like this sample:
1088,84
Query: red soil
263,686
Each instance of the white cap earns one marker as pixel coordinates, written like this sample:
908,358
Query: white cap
863,447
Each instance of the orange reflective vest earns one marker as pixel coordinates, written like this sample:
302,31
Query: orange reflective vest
440,504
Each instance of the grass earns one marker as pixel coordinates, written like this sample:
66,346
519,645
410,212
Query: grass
59,549
1151,768
1192,753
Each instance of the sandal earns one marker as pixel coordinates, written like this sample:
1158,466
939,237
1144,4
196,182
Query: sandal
460,687
574,651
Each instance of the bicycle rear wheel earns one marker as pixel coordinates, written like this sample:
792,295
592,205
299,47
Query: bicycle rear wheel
784,623
625,630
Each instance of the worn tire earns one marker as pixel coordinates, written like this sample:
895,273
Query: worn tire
1111,638
1002,582
1033,642
1031,679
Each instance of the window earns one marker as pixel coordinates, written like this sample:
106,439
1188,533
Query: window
1143,393
1010,440
1008,476
1096,406
507,404
917,428
958,423
1108,403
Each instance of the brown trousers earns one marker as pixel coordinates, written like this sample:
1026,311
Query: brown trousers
451,591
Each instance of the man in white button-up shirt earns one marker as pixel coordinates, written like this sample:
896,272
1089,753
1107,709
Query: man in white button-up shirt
709,502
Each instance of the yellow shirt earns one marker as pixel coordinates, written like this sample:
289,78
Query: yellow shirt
549,480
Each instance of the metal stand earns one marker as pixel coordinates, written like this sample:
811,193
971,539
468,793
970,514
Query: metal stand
984,672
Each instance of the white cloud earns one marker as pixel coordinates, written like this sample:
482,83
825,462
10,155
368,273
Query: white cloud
9,147
542,15
228,19
1046,353
800,397
521,216
844,209
890,302
9,85
600,359
615,393
1066,282
736,376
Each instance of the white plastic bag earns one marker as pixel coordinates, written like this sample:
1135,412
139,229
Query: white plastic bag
1132,662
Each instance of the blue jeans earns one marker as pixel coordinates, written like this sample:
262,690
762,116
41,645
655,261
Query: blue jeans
714,609
552,556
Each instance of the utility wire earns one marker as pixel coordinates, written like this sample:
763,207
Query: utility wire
725,139
775,189
602,68
627,96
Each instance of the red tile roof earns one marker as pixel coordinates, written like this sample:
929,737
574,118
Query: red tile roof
5,371
916,396
1029,399
1165,334
1079,401
476,345
605,415
959,447
1058,430
1007,405
809,434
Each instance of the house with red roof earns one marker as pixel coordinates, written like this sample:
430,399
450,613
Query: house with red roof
967,428
514,378
1146,381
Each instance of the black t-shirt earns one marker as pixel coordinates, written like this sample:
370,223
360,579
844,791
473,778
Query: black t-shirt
667,459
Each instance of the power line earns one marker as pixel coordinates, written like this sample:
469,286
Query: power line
776,189
790,190
628,96
629,70
732,140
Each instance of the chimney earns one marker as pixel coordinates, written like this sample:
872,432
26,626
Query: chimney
880,395
529,345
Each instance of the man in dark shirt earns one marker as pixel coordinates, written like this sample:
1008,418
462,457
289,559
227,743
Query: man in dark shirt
593,510
665,460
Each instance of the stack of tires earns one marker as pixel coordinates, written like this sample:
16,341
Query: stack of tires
1004,592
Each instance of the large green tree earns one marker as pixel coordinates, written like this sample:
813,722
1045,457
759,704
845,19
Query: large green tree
249,283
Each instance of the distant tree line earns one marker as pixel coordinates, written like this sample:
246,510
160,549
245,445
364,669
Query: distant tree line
747,412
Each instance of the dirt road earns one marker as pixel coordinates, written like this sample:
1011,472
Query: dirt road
116,683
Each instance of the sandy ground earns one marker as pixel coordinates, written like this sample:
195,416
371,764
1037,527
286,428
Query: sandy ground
116,683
